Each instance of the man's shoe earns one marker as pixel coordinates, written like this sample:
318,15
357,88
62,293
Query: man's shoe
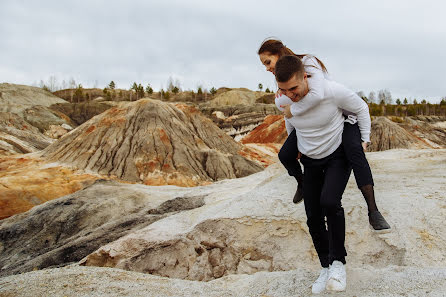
299,196
319,285
337,278
378,222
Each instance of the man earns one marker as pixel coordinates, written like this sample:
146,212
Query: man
326,169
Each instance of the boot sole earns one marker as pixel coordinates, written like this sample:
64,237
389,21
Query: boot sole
382,231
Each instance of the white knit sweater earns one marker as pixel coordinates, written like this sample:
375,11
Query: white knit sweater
319,129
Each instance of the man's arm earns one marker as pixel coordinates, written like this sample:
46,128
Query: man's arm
350,101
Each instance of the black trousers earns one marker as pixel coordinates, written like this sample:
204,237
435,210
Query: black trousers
351,140
288,155
324,183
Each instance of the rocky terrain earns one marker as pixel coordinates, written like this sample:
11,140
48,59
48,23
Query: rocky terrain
271,130
236,96
15,98
235,111
27,181
243,236
151,197
238,120
147,141
18,136
26,122
79,113
155,143
386,133
412,132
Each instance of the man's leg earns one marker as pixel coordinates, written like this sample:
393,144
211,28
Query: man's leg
337,173
288,157
313,181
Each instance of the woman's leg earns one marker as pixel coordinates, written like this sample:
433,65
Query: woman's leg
288,157
351,139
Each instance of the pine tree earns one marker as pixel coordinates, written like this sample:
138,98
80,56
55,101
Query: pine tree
140,91
112,85
79,94
149,89
134,87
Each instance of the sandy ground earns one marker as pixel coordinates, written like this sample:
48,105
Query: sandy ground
410,190
94,281
440,125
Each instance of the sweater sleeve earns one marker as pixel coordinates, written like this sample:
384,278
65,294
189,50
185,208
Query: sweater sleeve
282,100
315,84
348,100
289,128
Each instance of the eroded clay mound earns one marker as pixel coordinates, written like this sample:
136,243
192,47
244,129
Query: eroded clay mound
17,97
155,143
386,135
18,136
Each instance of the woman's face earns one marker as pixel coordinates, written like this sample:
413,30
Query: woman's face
269,61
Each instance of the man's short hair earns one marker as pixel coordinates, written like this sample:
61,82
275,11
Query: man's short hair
287,67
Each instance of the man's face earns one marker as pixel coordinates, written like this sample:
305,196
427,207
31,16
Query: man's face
295,88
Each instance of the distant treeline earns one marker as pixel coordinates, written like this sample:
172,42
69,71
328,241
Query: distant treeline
415,109
385,107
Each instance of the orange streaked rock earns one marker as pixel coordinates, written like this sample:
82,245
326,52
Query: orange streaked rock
27,181
272,130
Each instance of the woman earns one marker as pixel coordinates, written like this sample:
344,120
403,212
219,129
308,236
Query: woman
269,52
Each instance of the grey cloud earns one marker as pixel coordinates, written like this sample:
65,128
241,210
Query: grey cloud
367,45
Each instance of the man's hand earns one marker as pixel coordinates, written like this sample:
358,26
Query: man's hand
278,93
286,110
364,146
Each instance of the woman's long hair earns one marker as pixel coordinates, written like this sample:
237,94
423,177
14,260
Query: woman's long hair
276,47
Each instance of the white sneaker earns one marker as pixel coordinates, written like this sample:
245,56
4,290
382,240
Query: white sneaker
321,282
337,278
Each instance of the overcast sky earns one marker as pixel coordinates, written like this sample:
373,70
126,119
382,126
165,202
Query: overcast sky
399,45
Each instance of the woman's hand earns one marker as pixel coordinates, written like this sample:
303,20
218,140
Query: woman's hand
279,93
364,146
286,110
